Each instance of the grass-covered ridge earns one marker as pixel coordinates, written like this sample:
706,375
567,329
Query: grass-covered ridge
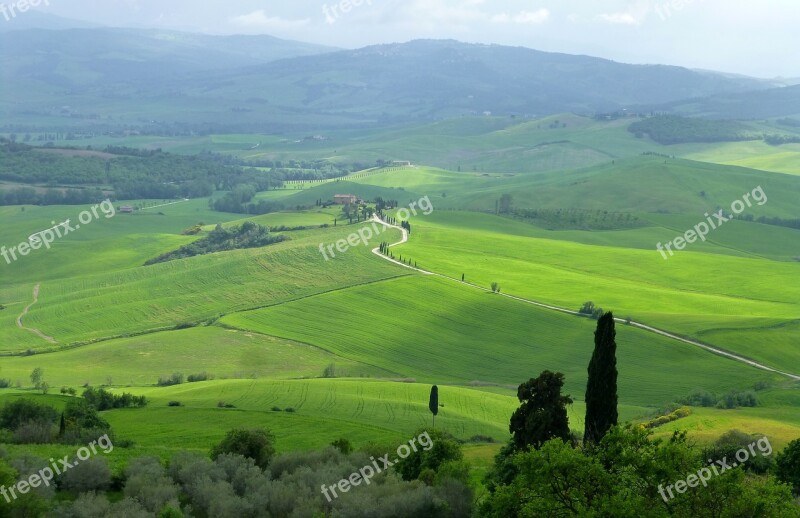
247,235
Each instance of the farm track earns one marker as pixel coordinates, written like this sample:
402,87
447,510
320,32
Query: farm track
35,331
632,323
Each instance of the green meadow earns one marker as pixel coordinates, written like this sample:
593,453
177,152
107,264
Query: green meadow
268,324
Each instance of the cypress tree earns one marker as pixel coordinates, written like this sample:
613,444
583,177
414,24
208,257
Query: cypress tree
601,388
433,403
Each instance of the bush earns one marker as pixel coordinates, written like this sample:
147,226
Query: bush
788,466
699,397
343,445
102,399
23,411
89,475
175,379
258,445
222,404
203,376
734,440
277,409
443,448
34,432
591,310
5,383
148,483
291,410
174,403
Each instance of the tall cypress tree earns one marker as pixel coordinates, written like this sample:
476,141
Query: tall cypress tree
433,403
601,388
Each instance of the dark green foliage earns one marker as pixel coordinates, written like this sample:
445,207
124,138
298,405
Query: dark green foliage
788,466
343,445
673,129
433,402
148,483
601,387
22,411
82,423
621,477
203,376
258,445
438,448
247,235
730,400
591,310
734,440
779,140
579,219
92,474
543,413
102,399
175,379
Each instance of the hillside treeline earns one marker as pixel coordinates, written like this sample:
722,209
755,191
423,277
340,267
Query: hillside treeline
137,174
673,129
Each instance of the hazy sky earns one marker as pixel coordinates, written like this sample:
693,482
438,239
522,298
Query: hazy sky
755,37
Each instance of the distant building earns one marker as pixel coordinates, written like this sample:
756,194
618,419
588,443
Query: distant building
401,163
125,209
345,199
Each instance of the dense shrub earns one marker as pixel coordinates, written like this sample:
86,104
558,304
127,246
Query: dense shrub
102,399
88,475
203,376
258,445
175,379
148,483
788,466
21,411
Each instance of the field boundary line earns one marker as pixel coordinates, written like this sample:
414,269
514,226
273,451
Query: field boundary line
644,327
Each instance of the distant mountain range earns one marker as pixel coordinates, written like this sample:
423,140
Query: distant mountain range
87,77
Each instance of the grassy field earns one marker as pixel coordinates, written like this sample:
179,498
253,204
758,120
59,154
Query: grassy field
126,299
691,293
266,323
440,342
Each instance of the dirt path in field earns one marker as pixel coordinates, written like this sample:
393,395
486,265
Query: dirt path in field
166,204
638,325
25,312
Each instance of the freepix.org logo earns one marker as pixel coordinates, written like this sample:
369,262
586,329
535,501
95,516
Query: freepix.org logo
9,11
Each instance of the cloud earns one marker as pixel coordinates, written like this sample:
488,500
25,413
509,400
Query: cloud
523,17
261,20
635,14
620,18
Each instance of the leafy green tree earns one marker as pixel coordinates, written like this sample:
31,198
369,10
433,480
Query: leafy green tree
543,413
601,387
343,445
23,411
36,377
258,445
788,466
441,448
625,476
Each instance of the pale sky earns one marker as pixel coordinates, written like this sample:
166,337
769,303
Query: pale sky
753,37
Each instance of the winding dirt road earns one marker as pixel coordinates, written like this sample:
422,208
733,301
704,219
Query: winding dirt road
25,312
643,327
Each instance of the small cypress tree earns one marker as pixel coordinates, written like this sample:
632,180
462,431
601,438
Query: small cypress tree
433,403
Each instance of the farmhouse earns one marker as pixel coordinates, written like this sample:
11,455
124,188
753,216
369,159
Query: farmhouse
345,199
402,163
